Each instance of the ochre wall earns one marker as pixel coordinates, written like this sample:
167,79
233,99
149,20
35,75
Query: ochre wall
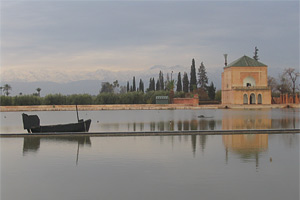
238,74
233,77
238,96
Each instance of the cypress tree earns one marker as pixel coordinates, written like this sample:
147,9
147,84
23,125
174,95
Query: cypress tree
133,84
128,89
193,80
157,85
211,91
161,81
203,80
150,85
141,86
153,84
185,82
179,85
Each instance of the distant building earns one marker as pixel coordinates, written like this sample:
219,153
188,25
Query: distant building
245,81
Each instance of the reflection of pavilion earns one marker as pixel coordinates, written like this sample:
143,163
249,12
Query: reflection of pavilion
251,121
247,146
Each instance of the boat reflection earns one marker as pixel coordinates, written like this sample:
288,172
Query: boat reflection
31,144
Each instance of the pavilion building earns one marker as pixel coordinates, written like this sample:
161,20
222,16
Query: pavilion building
245,81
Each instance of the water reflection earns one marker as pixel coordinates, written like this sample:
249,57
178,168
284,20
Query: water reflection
228,120
247,147
175,126
255,120
31,144
167,120
289,118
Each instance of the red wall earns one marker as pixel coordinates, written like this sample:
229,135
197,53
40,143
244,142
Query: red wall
186,101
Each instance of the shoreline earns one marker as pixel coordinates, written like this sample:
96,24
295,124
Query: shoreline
139,107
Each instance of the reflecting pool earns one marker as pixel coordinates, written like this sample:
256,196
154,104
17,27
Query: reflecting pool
190,167
162,120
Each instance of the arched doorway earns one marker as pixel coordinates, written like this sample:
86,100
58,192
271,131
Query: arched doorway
259,99
252,98
245,100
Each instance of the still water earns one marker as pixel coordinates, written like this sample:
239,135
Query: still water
206,167
162,120
233,167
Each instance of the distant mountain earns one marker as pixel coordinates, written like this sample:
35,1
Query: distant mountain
79,82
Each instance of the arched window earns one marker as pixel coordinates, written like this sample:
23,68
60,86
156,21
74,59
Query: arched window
245,101
249,81
252,98
259,99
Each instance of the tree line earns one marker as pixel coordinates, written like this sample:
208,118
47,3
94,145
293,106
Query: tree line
132,93
286,83
192,83
85,99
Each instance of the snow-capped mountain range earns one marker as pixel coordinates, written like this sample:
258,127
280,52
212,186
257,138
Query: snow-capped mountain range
84,81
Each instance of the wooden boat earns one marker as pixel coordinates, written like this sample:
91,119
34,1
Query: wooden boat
32,124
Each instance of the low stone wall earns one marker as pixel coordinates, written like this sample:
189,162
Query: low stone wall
186,101
139,107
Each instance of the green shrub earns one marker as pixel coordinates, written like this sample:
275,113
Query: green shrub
55,99
6,100
107,98
79,99
25,100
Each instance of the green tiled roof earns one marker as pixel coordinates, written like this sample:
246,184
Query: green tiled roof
245,61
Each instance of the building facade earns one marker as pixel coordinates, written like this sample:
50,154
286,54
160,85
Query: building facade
245,81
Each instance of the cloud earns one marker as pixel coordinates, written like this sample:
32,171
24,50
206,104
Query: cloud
134,35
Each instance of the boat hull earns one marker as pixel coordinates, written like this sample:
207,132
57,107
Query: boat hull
83,126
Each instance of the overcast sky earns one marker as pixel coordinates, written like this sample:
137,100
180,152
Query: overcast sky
132,35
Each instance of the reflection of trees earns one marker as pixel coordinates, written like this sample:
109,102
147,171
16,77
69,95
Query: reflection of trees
203,141
134,126
194,125
290,140
141,126
171,126
179,125
212,124
286,123
186,125
203,124
161,126
289,118
194,143
152,126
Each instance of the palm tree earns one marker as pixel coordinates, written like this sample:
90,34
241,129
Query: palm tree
6,89
38,90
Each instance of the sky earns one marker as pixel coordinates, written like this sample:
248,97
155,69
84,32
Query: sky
136,35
